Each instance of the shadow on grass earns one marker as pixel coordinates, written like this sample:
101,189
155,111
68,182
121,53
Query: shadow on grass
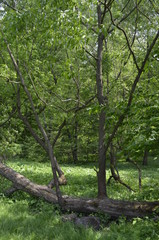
17,223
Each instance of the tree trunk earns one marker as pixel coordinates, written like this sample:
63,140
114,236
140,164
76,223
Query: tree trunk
114,208
101,100
74,142
102,172
145,158
75,147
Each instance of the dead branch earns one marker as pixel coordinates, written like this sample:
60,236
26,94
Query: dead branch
115,174
59,132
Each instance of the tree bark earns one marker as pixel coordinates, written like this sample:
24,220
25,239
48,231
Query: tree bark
42,130
101,174
145,158
115,174
75,147
114,208
74,142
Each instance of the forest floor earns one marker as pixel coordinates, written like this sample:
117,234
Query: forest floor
25,217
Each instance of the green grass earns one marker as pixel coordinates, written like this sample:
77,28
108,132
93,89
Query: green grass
24,217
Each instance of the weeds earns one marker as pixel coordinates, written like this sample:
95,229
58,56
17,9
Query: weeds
25,217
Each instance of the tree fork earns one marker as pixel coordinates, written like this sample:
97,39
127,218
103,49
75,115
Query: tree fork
47,142
115,174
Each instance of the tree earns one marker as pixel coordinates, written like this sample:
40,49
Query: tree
108,7
47,49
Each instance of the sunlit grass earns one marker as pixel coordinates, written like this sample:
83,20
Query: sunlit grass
82,180
24,217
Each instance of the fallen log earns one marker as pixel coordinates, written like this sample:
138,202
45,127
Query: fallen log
114,208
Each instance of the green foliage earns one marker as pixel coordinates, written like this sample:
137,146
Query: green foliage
55,45
137,229
32,151
140,130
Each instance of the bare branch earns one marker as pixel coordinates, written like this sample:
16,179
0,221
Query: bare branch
154,7
11,7
125,16
125,6
129,13
46,145
27,124
53,73
90,53
32,82
27,93
76,109
127,40
133,40
59,132
149,19
142,67
104,12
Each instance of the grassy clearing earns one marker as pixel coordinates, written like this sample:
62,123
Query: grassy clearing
24,217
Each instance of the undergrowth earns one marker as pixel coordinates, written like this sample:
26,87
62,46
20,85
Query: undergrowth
24,217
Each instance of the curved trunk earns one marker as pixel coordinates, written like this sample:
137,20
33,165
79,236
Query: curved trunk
115,174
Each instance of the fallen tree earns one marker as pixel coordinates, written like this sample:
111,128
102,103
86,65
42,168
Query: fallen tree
114,208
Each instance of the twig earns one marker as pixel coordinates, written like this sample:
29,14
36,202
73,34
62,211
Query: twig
127,40
90,53
59,132
8,5
115,174
32,82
